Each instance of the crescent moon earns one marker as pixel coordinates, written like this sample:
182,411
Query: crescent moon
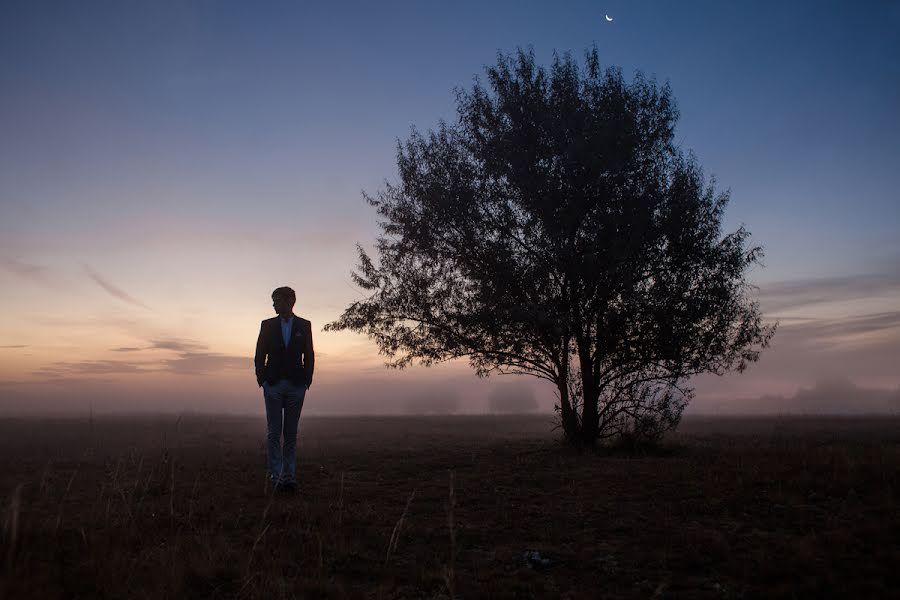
609,18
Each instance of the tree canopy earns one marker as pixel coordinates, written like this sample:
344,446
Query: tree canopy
555,229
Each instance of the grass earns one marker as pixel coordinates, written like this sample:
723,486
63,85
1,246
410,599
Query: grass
448,507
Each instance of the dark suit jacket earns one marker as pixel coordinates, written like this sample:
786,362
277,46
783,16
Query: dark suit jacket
274,362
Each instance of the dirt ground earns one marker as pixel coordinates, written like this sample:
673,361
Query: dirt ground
448,507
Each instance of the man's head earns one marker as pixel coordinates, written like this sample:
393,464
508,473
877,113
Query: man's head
283,300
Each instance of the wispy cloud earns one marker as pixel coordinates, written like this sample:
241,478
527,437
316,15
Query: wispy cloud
14,382
13,346
191,359
112,290
202,363
785,295
94,367
173,344
29,272
814,329
176,345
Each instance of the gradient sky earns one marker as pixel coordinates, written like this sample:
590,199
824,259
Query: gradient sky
165,165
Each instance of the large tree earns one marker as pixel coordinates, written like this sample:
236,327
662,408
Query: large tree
556,229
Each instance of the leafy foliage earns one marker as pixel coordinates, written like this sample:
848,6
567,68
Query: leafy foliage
556,230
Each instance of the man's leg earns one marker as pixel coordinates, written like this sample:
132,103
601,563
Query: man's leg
293,404
273,394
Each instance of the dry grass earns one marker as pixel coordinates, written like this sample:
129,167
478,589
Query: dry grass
446,508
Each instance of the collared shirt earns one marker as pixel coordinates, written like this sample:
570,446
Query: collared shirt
286,330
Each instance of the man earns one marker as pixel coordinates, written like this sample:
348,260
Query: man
284,369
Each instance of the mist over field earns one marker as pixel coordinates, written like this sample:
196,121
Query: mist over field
462,395
828,397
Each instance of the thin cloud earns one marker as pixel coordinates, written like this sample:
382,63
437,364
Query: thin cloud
113,290
94,367
14,385
191,359
29,272
173,344
13,346
785,295
205,363
14,382
856,325
176,345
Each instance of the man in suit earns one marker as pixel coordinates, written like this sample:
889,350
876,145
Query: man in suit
284,369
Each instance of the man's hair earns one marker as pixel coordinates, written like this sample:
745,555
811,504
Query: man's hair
287,292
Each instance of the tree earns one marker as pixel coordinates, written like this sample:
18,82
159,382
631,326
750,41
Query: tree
556,230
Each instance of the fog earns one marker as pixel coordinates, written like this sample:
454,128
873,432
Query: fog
402,395
826,397
391,393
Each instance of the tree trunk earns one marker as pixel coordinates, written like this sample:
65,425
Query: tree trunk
567,414
590,417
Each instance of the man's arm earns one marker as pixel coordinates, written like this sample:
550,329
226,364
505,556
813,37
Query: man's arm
309,357
259,360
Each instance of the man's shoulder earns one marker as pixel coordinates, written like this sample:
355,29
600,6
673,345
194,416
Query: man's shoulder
275,321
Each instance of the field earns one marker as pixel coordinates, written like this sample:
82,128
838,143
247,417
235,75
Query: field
448,507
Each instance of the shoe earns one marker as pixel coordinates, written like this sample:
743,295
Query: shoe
286,487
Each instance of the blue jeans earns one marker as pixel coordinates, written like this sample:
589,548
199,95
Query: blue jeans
284,400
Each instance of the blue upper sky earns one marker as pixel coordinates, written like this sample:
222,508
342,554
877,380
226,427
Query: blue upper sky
790,104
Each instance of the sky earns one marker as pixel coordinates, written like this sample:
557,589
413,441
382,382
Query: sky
165,165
